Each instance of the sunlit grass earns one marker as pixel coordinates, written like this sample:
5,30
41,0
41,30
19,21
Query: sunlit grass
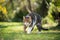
10,23
9,27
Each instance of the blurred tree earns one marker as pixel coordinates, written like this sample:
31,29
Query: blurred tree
29,4
57,3
3,11
2,1
43,8
12,8
49,19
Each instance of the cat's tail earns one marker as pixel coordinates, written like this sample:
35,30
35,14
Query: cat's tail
44,29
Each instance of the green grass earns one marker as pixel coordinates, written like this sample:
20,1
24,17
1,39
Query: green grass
33,36
14,31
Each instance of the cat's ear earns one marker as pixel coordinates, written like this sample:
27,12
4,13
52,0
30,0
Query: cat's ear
23,18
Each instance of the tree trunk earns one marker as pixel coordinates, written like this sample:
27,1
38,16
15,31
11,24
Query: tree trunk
29,5
11,1
43,9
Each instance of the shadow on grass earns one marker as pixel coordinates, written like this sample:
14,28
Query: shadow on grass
2,26
57,37
56,28
23,36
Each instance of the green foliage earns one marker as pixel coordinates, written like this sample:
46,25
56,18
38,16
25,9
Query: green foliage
19,7
57,3
49,19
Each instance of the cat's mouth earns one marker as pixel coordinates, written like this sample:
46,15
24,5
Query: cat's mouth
27,23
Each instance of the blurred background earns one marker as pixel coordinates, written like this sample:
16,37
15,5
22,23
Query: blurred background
14,10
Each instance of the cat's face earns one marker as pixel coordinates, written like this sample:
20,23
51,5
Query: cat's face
27,20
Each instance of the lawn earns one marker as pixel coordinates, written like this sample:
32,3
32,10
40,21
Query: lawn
14,31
